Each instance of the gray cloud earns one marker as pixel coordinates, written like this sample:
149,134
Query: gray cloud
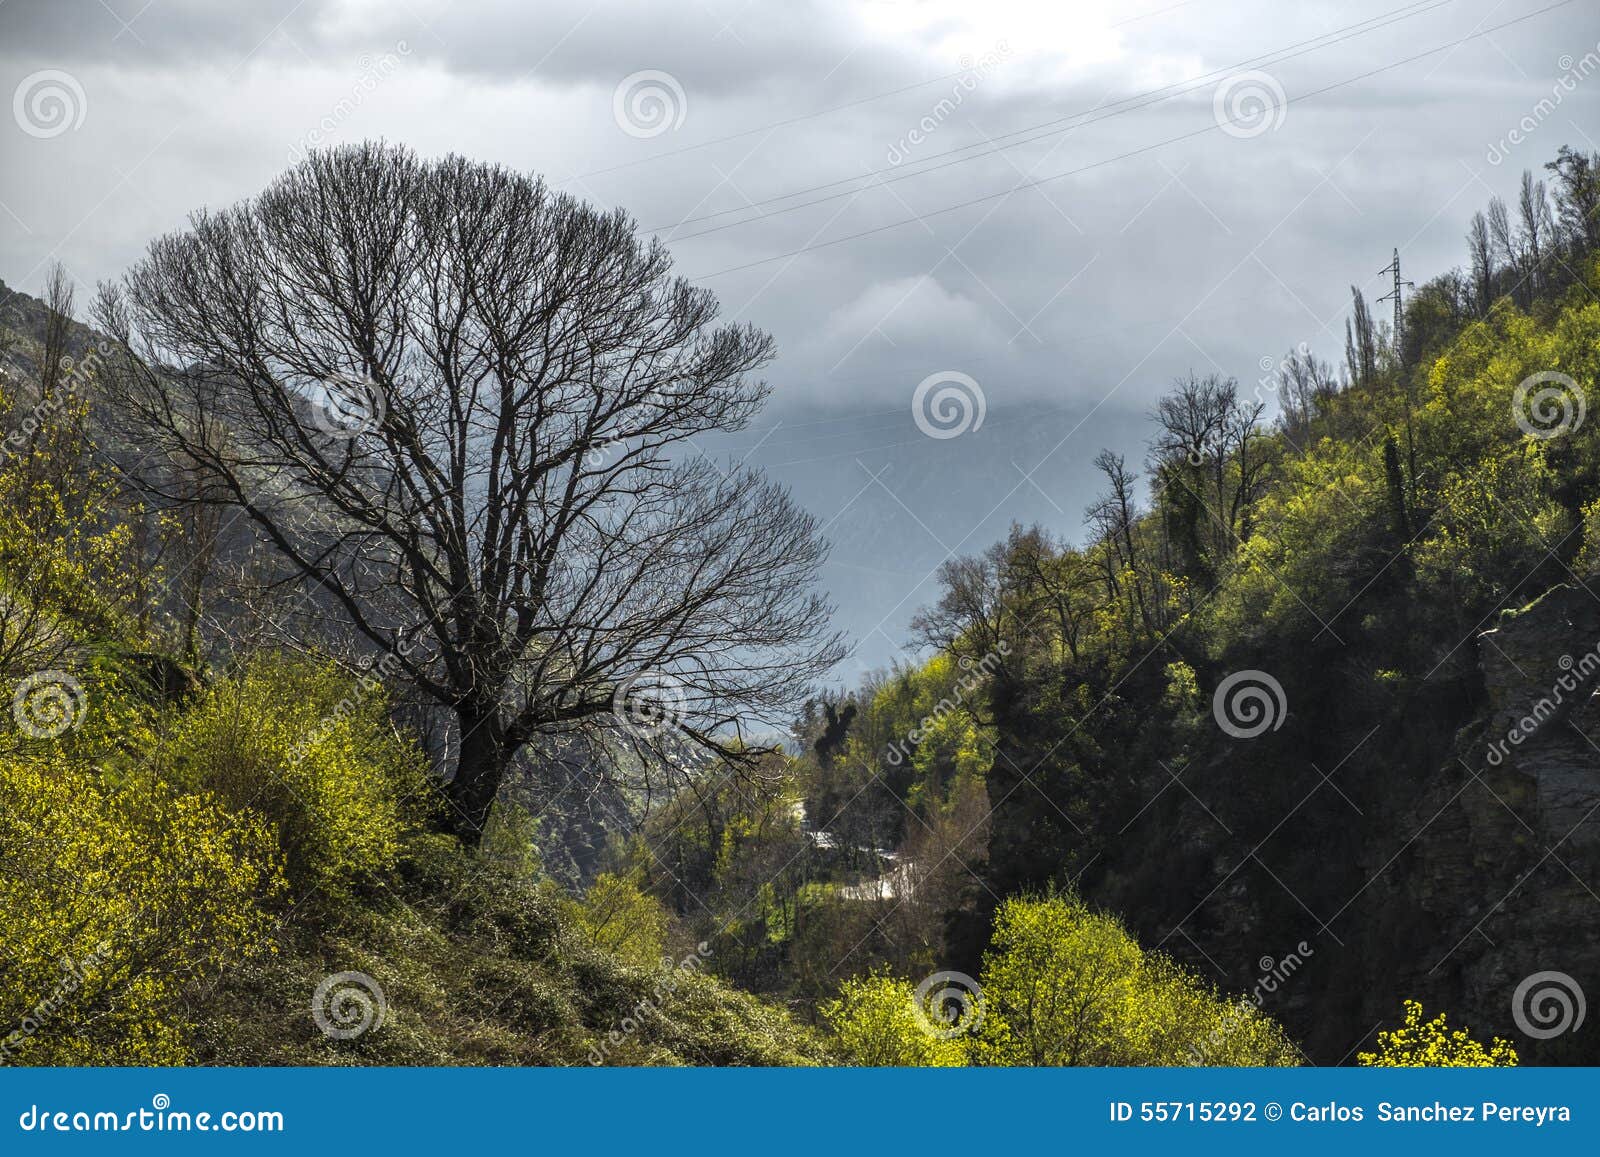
1072,302
140,35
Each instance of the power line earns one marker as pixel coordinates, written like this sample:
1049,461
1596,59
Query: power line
1094,115
794,120
1036,182
822,112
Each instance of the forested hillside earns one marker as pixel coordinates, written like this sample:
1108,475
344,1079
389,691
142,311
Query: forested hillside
1316,693
418,723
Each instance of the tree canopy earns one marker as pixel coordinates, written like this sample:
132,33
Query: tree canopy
461,408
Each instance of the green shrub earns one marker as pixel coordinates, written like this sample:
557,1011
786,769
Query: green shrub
1066,985
1061,985
877,1022
621,919
315,754
115,903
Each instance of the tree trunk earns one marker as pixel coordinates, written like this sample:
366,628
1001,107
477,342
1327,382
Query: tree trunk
481,764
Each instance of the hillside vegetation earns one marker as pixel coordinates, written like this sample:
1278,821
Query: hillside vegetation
1222,783
1261,710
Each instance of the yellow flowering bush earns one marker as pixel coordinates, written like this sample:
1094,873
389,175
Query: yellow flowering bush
1062,984
312,752
876,1022
1434,1044
113,903
622,919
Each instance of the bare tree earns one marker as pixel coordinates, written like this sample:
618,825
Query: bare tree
1508,245
978,612
58,300
55,369
1482,257
1206,451
995,607
1306,389
1192,416
461,407
1360,340
1536,228
1114,516
1060,584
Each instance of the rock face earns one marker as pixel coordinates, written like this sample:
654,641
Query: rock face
1541,670
1436,839
1508,874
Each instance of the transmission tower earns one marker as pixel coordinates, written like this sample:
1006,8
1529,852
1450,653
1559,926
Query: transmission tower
1394,294
1399,360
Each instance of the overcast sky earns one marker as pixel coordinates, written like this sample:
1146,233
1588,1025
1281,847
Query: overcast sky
1113,194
